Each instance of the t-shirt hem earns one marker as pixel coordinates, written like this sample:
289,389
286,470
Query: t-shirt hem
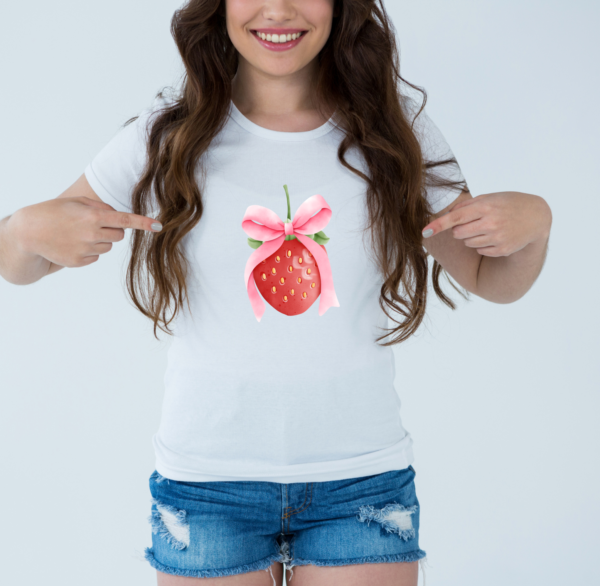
395,457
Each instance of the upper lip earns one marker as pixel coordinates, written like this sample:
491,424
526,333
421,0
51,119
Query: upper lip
279,31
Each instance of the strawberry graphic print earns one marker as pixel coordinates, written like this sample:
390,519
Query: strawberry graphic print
289,267
289,279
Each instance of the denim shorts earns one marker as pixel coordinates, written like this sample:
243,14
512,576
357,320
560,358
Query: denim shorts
210,529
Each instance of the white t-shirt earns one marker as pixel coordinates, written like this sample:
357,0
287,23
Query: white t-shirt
261,391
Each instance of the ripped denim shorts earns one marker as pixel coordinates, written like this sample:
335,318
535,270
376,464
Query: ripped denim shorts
210,529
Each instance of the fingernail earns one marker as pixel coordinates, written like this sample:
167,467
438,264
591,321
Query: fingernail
156,226
427,233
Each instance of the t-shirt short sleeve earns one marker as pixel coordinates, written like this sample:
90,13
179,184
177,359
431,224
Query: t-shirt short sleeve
116,169
435,148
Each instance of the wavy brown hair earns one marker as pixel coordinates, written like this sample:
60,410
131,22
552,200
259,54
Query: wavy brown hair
359,76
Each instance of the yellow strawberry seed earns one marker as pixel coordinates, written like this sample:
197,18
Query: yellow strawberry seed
274,270
307,270
290,268
300,260
274,290
304,294
312,285
263,277
299,279
289,253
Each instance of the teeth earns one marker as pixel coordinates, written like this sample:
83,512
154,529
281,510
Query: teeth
278,38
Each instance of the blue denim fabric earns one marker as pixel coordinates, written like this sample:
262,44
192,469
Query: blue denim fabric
210,529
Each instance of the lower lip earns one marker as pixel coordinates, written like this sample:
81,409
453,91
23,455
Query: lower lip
279,46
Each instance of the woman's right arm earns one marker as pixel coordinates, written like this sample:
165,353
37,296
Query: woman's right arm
72,230
17,266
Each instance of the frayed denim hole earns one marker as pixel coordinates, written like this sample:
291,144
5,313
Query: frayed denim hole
394,518
170,523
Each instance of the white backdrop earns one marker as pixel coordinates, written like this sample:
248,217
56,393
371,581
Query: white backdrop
501,400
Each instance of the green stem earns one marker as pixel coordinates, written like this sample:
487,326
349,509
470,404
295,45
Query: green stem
287,195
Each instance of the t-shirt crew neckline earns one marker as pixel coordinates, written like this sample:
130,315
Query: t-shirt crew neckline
263,132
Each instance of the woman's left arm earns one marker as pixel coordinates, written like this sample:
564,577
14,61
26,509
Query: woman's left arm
494,244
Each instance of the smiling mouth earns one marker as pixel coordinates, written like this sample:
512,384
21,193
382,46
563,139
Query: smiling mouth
275,38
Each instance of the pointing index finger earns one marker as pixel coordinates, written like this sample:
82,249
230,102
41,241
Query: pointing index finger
115,219
459,214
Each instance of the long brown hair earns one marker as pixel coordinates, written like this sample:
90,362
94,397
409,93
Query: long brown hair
359,75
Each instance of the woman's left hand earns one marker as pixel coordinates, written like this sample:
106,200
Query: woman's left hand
497,224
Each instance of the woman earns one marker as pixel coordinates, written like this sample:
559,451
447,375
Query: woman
289,168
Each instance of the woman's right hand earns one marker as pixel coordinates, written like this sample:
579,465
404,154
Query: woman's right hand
73,231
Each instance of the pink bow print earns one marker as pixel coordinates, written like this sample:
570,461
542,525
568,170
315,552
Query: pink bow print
261,223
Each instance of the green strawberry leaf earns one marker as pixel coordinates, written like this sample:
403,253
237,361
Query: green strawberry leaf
321,238
254,243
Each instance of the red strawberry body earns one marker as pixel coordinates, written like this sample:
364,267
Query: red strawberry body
289,279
